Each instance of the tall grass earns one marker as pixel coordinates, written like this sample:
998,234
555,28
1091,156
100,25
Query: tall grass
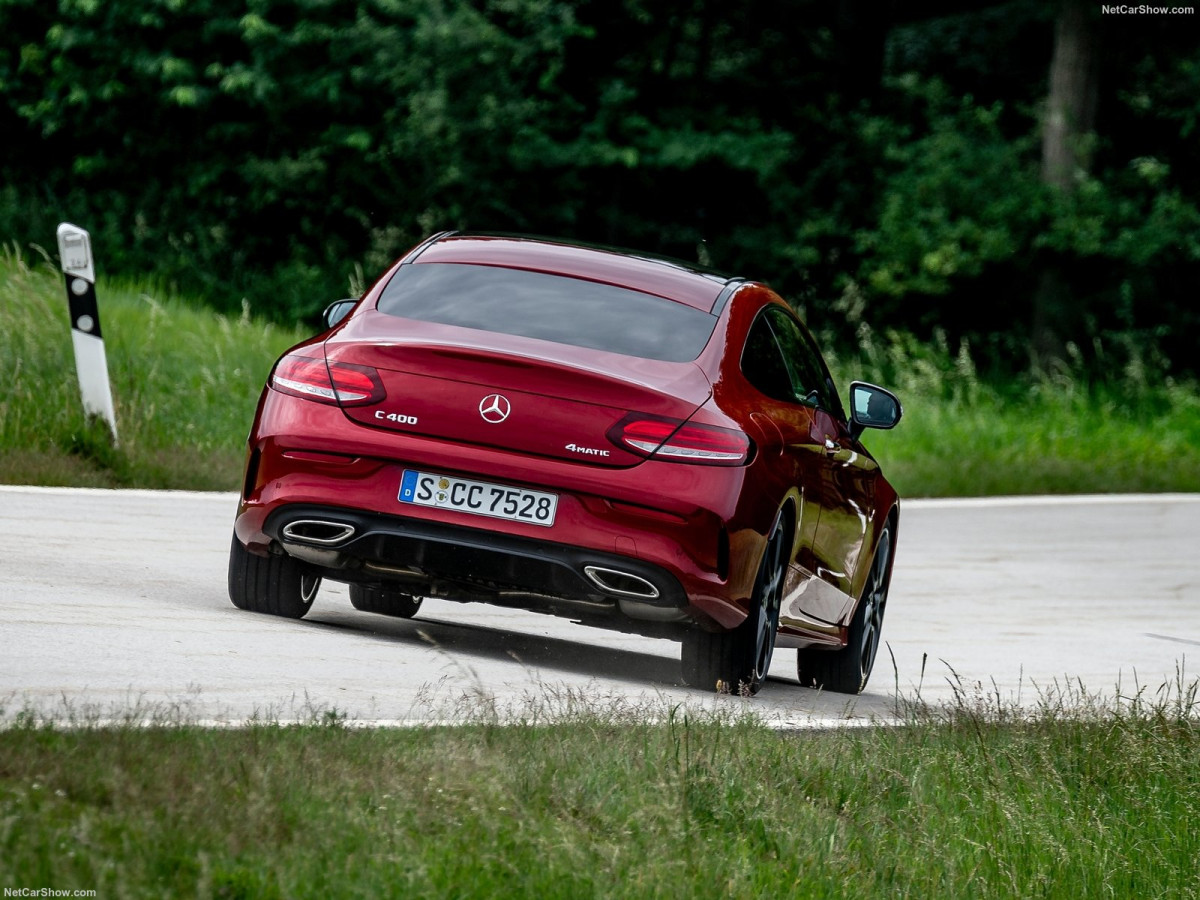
184,379
967,800
1041,433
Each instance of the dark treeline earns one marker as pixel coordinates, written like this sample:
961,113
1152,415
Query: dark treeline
884,160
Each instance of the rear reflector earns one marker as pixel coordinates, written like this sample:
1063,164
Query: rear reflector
325,382
674,441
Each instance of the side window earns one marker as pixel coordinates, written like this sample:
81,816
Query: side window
781,360
763,363
808,374
808,366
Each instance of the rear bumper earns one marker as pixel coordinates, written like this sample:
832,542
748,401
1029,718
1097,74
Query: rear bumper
436,559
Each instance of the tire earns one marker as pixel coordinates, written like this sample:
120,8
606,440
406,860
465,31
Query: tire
385,601
846,671
276,585
737,661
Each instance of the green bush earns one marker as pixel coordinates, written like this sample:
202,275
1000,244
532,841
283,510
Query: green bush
270,152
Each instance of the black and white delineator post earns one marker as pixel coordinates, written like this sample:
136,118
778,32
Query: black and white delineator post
75,250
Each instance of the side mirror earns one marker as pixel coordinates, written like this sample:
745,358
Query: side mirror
872,407
336,311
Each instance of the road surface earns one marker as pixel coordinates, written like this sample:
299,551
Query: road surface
113,604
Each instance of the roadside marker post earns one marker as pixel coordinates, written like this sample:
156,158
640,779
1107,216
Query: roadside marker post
91,363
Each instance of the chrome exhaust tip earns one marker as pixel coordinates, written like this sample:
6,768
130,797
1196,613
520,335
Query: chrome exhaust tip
317,531
623,584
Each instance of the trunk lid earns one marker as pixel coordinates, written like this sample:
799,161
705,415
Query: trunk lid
513,393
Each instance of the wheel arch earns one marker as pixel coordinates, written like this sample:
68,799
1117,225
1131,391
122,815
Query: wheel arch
790,510
788,507
891,521
755,537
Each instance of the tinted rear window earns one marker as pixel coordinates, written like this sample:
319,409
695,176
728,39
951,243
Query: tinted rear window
550,308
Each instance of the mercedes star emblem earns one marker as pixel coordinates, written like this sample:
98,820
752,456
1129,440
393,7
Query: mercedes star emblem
494,408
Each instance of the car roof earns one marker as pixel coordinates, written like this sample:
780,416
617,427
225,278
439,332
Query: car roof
672,279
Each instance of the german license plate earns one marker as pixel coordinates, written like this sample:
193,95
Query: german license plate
480,498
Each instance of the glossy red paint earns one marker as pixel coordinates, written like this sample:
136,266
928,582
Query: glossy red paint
696,529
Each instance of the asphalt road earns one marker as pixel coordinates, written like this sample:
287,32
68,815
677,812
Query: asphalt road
113,604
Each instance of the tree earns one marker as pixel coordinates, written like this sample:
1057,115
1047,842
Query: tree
1067,144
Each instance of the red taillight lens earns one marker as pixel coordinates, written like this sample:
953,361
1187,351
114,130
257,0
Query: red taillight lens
334,383
674,441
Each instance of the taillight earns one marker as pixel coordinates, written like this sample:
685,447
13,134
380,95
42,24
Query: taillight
672,440
327,382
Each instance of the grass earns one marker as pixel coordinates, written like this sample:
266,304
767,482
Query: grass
185,381
969,800
1061,433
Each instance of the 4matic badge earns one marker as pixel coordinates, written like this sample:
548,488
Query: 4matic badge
586,451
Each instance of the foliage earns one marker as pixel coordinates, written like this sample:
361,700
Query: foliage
965,225
957,198
265,149
275,150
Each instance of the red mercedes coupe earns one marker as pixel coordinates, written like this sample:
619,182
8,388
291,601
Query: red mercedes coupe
629,442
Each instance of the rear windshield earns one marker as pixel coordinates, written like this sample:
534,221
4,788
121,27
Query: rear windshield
550,308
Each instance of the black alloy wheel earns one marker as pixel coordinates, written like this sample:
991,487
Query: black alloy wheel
847,671
738,661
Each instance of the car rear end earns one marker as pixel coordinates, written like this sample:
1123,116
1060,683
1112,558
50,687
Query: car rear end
504,421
